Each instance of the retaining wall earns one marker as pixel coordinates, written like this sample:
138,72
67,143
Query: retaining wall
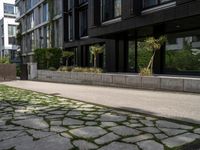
179,84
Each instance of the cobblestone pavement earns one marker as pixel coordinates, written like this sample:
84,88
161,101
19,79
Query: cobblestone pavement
34,121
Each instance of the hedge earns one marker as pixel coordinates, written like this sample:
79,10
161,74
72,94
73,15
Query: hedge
48,57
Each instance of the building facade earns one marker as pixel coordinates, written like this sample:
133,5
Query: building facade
122,26
8,29
40,25
76,37
128,23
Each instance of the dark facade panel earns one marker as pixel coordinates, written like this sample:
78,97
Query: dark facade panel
129,22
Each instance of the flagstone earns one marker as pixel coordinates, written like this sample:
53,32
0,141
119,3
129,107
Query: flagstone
150,145
167,124
119,146
8,134
138,138
124,131
112,118
197,131
150,130
70,122
34,123
171,132
84,145
161,136
107,138
88,132
180,140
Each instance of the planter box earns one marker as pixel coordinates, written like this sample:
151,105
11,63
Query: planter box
178,84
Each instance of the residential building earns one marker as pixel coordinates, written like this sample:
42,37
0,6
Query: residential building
41,25
129,22
76,37
122,26
8,29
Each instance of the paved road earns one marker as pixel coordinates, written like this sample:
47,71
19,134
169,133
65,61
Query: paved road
181,106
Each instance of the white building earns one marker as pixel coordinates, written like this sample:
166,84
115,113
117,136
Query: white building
8,29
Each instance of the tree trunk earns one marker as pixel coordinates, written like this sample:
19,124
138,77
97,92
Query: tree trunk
95,61
67,62
150,66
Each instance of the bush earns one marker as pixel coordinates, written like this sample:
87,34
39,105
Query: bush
65,69
52,69
145,72
18,70
4,60
80,69
48,57
92,70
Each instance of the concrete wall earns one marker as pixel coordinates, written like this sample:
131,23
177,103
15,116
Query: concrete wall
178,84
7,72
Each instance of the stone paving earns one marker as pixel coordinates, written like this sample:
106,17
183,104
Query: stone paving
34,121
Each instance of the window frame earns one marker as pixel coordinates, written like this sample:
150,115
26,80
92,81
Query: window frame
158,4
113,13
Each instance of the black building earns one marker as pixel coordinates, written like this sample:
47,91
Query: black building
76,38
125,24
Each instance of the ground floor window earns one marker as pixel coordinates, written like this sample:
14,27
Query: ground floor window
182,53
72,61
131,55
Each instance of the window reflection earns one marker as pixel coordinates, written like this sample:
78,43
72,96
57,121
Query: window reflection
184,55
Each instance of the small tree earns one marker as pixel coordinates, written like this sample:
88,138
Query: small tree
67,55
95,50
153,44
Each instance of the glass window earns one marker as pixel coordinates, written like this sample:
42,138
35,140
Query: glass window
70,4
12,34
111,9
70,29
184,55
32,41
12,30
151,3
82,1
131,56
45,12
84,23
9,8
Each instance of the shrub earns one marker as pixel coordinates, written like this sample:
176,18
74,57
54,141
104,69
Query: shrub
52,69
18,70
80,69
48,57
145,72
65,69
91,70
4,60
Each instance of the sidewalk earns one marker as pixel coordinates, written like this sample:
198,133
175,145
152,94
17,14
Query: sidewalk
180,106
